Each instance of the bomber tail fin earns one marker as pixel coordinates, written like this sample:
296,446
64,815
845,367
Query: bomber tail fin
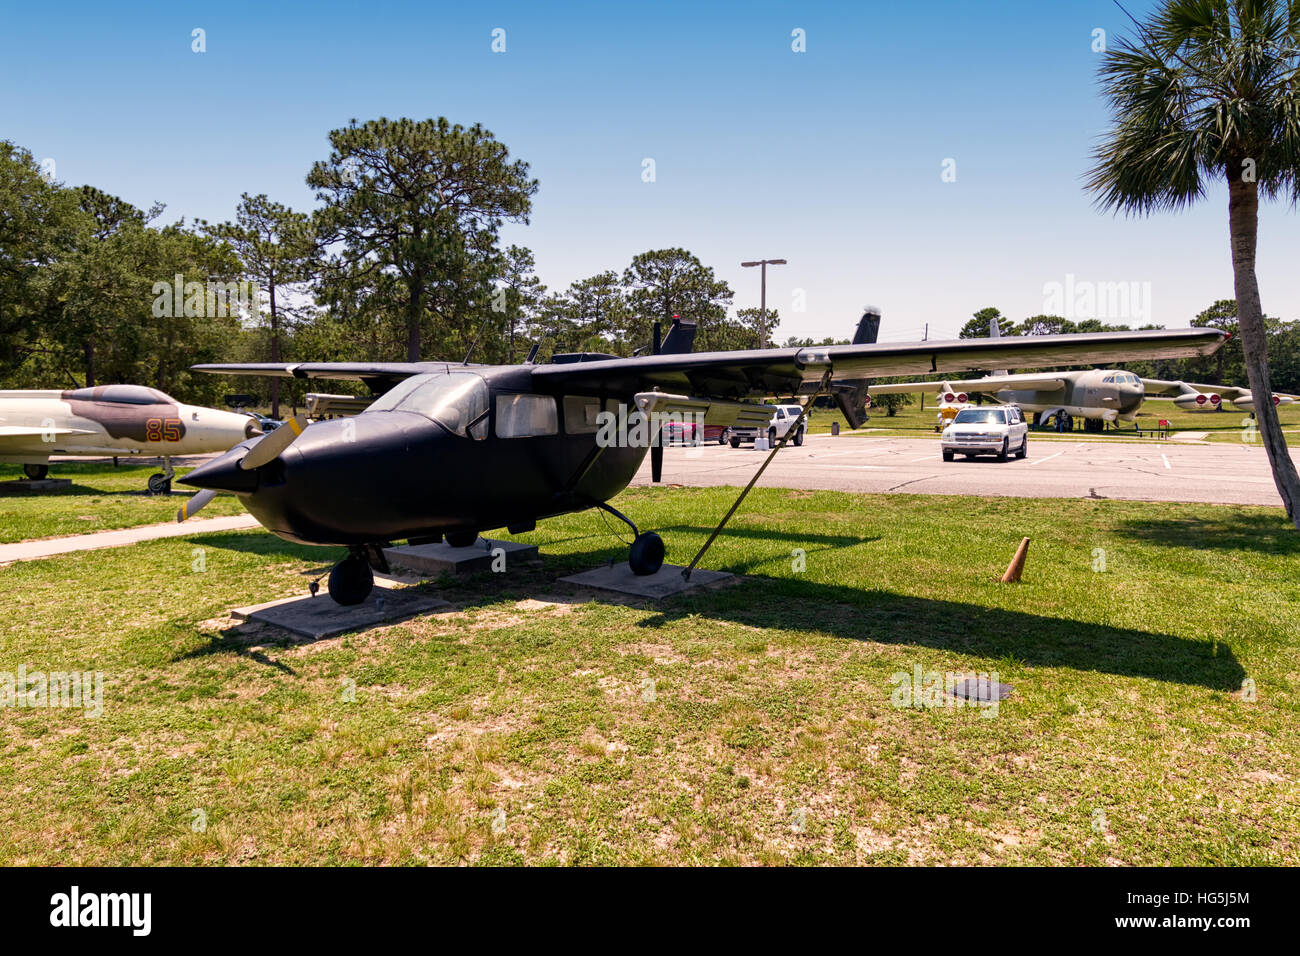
995,332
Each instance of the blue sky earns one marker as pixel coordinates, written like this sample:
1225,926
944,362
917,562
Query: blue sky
830,158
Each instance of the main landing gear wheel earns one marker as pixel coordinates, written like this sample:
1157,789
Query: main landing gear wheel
461,539
160,484
351,580
647,553
36,472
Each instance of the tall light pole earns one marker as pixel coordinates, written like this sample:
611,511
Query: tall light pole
762,301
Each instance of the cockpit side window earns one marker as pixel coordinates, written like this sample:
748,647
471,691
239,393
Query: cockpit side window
526,416
457,401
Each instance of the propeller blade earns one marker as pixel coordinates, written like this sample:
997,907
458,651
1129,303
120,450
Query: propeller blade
268,448
657,460
195,504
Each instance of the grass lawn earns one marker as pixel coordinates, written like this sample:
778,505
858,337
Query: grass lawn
100,498
750,725
911,421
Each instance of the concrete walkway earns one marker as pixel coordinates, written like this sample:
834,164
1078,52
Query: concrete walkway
44,548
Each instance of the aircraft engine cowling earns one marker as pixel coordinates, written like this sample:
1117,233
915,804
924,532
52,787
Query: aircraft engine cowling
1197,402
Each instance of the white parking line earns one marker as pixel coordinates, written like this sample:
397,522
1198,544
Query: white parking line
1166,460
1039,461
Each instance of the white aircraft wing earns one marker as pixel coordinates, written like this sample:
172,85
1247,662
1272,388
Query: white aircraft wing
11,435
987,385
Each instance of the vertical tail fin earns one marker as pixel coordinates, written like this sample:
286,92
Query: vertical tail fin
679,340
868,327
995,332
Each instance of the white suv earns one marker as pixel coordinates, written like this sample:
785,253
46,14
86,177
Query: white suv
991,430
784,417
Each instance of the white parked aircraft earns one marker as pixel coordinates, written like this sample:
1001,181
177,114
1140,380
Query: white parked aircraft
113,420
1095,395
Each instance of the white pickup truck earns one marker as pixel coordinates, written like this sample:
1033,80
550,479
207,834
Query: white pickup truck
989,430
781,422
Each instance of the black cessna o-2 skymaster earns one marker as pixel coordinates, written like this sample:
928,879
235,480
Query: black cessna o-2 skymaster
449,450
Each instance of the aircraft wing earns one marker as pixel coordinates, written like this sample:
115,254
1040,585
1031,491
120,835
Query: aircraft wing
22,431
988,385
741,374
738,375
380,376
1163,388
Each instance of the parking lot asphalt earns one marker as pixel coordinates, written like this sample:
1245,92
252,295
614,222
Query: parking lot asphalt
1215,473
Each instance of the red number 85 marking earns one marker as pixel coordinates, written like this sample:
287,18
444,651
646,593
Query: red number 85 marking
162,429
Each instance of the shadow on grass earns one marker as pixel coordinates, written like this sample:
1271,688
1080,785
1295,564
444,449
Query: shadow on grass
797,604
1234,531
1034,639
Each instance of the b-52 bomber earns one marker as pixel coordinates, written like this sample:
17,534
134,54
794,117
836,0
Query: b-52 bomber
451,450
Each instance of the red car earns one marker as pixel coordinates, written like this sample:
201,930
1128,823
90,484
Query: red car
684,433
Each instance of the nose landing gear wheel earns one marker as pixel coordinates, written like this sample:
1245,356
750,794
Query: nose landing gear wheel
647,554
36,472
461,539
160,484
351,581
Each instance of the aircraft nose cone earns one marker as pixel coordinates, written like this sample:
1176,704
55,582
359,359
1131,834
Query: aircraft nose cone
223,473
251,428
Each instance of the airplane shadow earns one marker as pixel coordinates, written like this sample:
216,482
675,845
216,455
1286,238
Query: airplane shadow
1266,533
842,611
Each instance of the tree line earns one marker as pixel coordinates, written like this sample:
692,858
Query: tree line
401,259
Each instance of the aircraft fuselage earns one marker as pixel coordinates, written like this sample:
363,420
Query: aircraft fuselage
391,473
1106,394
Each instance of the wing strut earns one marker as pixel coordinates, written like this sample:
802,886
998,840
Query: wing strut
821,387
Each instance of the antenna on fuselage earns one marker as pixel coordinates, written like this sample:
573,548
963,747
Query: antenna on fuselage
473,345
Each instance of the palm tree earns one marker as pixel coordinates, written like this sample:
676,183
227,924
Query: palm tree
1210,90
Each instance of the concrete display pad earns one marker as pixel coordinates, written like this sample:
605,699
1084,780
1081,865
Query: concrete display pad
23,485
665,582
435,559
317,617
982,690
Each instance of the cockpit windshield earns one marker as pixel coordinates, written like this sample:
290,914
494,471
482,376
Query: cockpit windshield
121,395
457,401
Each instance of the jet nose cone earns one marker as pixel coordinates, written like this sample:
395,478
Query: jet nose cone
223,473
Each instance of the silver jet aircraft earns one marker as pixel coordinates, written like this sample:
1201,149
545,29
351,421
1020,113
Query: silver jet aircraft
112,420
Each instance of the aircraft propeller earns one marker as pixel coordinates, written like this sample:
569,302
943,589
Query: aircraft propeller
195,504
266,449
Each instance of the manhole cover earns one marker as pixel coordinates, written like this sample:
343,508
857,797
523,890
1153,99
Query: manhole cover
981,689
